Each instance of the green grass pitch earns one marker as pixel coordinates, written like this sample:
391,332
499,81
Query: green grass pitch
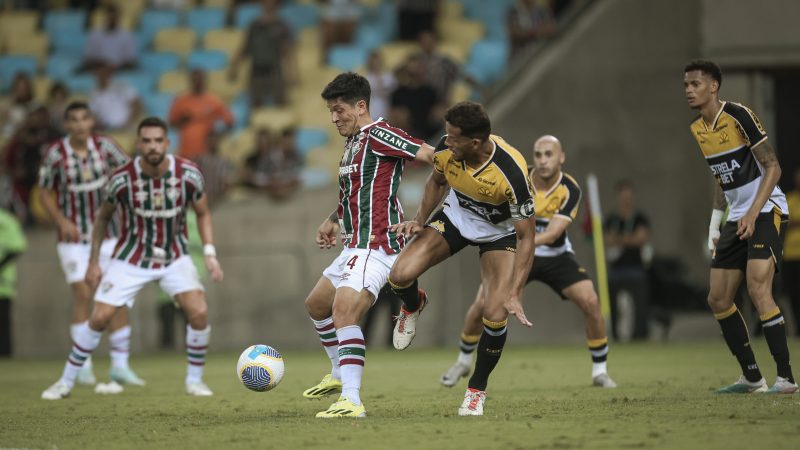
538,397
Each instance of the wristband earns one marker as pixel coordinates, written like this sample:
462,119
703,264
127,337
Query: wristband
209,250
716,219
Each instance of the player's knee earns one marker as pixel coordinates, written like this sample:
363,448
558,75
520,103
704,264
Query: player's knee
759,291
590,303
197,316
400,276
345,314
100,319
718,302
317,308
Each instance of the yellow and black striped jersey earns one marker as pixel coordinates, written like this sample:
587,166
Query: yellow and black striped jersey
484,202
727,146
561,200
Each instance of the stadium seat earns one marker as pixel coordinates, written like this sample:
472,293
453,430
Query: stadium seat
59,23
314,178
80,84
61,66
240,108
299,17
70,44
347,57
173,82
245,14
18,22
396,52
220,84
487,60
207,60
41,88
237,146
493,16
224,4
151,21
10,65
158,104
158,63
310,138
201,20
33,44
227,39
276,119
177,40
127,18
465,32
452,9
458,52
143,82
369,37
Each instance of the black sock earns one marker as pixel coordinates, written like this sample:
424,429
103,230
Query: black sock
734,330
490,347
775,332
409,295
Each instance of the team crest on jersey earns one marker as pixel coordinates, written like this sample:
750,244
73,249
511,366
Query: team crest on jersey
437,225
173,193
724,138
527,208
173,181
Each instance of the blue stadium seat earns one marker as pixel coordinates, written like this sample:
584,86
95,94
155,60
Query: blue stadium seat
203,19
299,17
312,178
143,82
70,44
80,84
11,65
59,23
487,60
207,60
158,104
310,138
153,20
493,15
61,66
240,108
370,36
158,63
246,13
347,57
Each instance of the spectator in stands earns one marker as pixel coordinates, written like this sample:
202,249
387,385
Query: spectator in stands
339,21
529,21
57,99
15,109
111,45
415,17
196,113
415,105
115,104
12,244
274,167
441,71
216,169
269,46
790,270
627,233
382,82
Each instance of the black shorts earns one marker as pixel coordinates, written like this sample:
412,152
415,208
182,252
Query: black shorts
558,272
442,224
765,243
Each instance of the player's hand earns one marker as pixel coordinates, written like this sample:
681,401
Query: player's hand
93,275
327,233
747,225
213,268
408,228
713,239
68,231
514,308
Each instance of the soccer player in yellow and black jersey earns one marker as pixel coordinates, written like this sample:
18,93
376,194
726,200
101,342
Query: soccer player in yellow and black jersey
490,205
750,244
557,197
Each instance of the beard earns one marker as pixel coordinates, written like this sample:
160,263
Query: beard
154,159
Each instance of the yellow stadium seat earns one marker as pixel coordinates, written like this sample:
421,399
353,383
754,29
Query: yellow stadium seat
326,158
461,92
452,9
174,82
237,147
457,51
227,39
276,119
18,22
220,84
34,44
217,3
396,53
128,18
41,88
178,40
464,32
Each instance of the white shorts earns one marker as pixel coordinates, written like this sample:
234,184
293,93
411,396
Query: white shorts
122,281
75,258
360,269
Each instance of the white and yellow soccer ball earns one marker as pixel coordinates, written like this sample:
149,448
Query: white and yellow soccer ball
260,368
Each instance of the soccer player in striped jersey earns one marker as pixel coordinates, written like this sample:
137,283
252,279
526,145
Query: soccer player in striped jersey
750,244
557,197
374,156
489,205
152,193
72,179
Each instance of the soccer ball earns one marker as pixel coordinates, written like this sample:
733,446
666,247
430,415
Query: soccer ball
260,368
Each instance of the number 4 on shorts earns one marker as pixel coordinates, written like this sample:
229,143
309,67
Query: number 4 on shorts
352,263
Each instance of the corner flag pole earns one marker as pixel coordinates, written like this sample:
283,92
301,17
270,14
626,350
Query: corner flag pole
597,240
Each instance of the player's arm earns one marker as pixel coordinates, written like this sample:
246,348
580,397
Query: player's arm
206,230
771,173
720,204
432,196
425,154
93,272
67,229
556,227
523,260
328,231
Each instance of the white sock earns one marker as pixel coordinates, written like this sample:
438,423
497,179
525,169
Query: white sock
120,343
327,336
352,352
84,341
599,368
196,349
465,358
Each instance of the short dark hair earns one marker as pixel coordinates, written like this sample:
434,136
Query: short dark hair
350,87
152,121
709,68
76,106
471,118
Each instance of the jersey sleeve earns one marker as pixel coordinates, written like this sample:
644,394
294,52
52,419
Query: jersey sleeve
48,171
114,153
116,188
519,193
569,207
388,141
195,185
748,123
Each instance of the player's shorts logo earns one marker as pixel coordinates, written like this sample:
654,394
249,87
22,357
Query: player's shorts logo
437,225
72,266
106,287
